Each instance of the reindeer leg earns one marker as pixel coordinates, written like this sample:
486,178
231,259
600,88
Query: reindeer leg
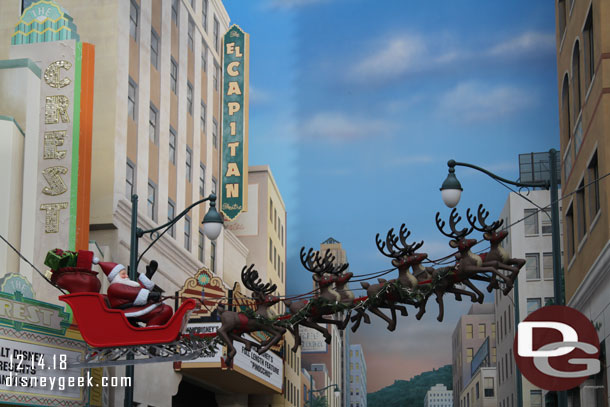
402,309
248,344
277,335
310,324
441,306
297,337
229,342
383,316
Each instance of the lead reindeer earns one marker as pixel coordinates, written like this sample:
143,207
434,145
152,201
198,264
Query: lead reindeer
326,300
233,324
469,265
497,257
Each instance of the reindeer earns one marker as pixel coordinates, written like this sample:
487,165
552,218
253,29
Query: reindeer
233,324
468,265
322,269
497,257
385,294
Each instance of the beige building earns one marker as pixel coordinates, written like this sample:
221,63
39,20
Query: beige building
156,133
583,60
480,391
469,334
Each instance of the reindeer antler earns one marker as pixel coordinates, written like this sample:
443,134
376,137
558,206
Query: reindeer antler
482,214
249,277
340,268
393,250
453,220
312,261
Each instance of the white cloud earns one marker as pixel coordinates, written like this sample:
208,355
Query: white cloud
473,101
527,43
258,95
336,126
290,4
403,54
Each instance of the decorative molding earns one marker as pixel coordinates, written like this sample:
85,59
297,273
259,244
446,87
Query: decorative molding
21,63
12,119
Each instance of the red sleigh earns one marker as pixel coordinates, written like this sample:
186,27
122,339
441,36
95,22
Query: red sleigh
103,327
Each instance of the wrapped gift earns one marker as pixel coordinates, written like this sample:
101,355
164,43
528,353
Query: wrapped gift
57,259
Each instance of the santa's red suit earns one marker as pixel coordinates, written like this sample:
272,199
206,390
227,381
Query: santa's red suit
132,297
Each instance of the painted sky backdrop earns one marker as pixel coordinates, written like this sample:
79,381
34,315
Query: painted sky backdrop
357,105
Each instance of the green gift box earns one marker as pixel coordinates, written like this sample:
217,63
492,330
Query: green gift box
58,258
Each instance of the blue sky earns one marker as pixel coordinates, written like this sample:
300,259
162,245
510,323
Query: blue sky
357,106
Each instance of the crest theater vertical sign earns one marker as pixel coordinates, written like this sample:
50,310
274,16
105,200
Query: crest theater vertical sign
46,34
235,86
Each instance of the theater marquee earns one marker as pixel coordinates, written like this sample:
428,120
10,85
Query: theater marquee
235,86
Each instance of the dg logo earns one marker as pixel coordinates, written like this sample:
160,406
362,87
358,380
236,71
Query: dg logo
556,348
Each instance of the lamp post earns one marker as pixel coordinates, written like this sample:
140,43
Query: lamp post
451,191
311,390
212,222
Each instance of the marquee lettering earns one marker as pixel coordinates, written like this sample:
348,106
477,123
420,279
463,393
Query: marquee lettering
56,107
51,223
52,140
51,74
53,177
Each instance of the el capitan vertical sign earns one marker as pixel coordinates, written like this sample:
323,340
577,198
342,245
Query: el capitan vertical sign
234,152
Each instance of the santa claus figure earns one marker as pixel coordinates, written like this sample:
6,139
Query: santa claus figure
136,299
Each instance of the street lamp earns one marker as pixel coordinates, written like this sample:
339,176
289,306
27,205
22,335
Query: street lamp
451,191
337,392
212,222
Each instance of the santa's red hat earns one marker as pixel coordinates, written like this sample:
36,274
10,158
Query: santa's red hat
111,269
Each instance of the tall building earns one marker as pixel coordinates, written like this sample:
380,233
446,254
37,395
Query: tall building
357,377
438,396
332,356
471,332
480,391
583,49
530,240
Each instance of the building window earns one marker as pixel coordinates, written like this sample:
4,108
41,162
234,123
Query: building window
175,5
493,354
469,330
488,387
131,99
213,257
482,331
530,222
532,305
216,78
216,35
154,49
200,246
204,15
171,214
152,201
130,178
202,116
214,132
270,209
189,164
172,145
173,76
275,258
565,108
546,227
152,123
270,250
576,95
201,179
581,221
190,33
204,57
532,266
133,20
493,330
214,185
589,49
282,236
570,231
476,391
547,266
468,355
593,181
561,14
189,98
187,233
536,398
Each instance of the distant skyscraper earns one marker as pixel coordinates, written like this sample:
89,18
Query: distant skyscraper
438,396
470,333
357,377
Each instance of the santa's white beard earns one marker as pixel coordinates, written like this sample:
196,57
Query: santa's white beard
126,281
